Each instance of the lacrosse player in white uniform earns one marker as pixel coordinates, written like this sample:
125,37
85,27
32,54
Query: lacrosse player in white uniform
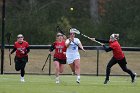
72,54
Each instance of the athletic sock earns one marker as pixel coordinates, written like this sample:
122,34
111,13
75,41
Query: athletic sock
78,79
57,79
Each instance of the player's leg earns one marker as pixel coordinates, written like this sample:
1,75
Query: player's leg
108,69
17,64
70,61
61,65
72,66
22,71
77,69
23,62
56,64
122,63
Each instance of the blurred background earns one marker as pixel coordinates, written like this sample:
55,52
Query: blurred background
37,19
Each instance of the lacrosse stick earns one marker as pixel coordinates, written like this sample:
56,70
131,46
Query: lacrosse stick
46,62
78,32
58,29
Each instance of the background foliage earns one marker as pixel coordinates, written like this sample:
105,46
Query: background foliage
38,19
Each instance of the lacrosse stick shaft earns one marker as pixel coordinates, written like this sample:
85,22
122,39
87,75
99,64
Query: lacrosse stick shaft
77,45
61,31
50,65
78,32
45,62
98,42
10,59
91,39
9,55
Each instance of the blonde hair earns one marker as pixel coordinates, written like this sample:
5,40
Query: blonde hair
64,36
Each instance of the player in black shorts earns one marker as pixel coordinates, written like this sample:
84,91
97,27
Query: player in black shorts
21,48
59,55
118,57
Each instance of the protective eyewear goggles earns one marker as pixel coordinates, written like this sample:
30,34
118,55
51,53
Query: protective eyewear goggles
59,35
72,33
19,37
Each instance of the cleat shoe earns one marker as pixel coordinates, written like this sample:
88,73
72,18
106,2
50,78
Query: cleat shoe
57,80
106,81
78,81
73,73
134,78
22,79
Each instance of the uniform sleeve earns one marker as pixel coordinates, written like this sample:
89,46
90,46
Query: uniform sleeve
78,41
27,48
27,45
102,41
107,49
111,46
52,47
15,45
14,49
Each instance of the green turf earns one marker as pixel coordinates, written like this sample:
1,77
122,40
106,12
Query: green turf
46,84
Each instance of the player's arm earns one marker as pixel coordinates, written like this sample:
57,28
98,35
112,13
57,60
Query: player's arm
52,47
27,50
14,49
81,46
107,49
68,41
102,40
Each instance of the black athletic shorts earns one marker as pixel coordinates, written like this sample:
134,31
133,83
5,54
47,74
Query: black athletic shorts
20,62
61,61
122,61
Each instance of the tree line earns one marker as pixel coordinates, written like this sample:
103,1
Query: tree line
37,19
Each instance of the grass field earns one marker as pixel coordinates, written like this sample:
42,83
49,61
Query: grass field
10,83
46,84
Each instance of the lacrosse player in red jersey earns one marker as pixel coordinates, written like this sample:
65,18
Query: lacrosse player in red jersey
118,56
21,58
59,55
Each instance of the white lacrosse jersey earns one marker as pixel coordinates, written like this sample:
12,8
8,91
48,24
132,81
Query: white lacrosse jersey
72,50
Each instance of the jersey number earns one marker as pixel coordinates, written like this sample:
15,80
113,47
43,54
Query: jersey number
60,50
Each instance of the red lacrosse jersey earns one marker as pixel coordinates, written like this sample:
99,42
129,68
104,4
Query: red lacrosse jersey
60,48
117,51
21,47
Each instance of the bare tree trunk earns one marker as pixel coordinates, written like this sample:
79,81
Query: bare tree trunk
94,11
33,4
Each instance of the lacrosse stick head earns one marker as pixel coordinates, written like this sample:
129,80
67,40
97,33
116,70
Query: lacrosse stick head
58,29
8,35
74,30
